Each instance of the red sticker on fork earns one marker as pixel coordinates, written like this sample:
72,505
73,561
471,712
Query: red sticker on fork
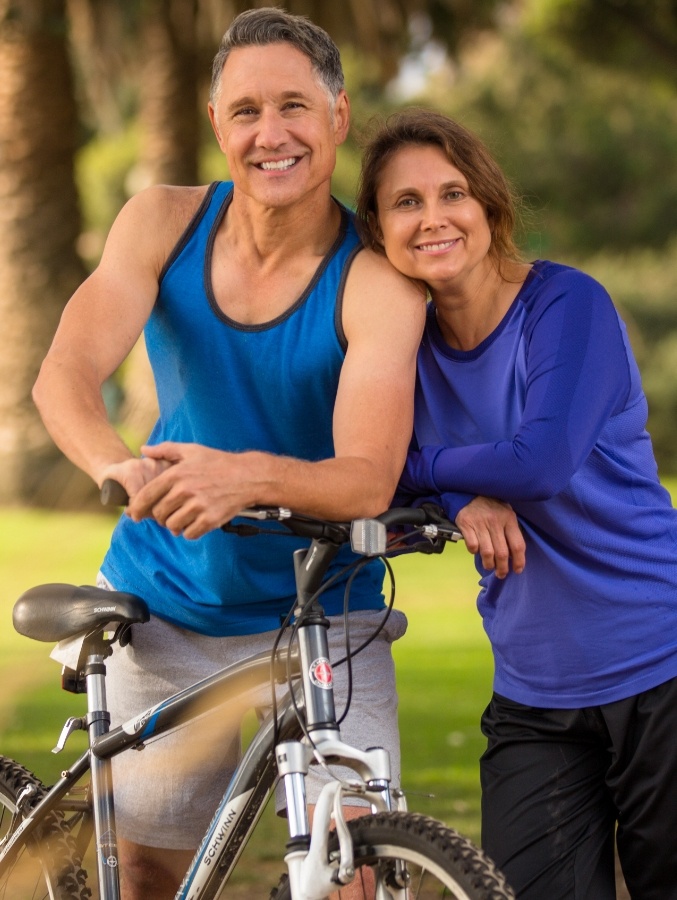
321,674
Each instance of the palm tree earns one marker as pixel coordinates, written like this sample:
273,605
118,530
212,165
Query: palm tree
168,45
39,226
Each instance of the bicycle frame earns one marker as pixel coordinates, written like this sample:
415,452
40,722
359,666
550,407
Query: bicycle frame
257,773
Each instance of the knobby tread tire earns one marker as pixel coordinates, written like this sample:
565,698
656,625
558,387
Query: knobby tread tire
475,876
56,849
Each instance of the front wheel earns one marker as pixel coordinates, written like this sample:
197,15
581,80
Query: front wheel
407,855
46,865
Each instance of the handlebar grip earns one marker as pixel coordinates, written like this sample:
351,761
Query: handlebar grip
404,516
113,493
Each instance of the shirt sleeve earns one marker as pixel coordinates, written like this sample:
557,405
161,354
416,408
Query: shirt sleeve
578,375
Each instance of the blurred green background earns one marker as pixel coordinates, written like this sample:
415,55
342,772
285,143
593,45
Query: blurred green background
576,98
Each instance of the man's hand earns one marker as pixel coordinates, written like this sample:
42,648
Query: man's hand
490,528
199,488
134,473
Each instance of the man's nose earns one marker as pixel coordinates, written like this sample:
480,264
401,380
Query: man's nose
272,131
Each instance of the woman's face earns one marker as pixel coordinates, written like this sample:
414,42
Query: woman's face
432,228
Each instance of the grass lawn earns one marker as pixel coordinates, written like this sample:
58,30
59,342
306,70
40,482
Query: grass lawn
444,668
443,663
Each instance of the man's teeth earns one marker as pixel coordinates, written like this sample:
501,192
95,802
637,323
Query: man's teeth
279,164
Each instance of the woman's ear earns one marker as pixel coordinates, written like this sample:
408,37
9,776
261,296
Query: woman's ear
375,228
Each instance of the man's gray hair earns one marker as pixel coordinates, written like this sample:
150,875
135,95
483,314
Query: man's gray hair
270,25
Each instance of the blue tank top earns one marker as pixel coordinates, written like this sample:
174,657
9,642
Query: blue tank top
238,387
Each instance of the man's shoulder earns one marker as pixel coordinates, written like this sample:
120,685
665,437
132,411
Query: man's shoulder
373,269
380,302
167,200
160,214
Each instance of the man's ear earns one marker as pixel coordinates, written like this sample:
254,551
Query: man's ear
215,124
341,117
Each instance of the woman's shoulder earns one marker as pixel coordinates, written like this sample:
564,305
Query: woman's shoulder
558,276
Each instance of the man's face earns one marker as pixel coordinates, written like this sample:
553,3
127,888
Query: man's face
274,123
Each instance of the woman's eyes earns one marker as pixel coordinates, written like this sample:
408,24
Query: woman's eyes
410,202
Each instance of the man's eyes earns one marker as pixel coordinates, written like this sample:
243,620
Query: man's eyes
246,111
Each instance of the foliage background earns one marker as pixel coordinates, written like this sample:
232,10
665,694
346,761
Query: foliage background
576,98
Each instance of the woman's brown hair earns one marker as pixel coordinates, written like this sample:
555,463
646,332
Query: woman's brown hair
463,149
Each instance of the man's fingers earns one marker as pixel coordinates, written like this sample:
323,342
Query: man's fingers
168,450
144,502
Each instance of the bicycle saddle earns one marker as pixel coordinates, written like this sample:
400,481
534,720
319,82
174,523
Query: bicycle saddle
54,612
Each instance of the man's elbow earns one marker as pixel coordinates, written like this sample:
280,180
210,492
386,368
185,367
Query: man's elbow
40,390
46,387
379,498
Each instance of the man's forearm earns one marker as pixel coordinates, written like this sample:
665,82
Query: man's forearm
340,488
202,488
75,416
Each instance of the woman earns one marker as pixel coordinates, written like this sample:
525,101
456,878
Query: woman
528,392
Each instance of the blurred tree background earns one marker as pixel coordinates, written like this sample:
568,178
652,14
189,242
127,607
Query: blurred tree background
98,99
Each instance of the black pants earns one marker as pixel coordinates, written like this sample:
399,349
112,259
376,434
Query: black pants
556,782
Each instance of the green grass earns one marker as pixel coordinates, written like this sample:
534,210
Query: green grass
444,665
37,547
444,669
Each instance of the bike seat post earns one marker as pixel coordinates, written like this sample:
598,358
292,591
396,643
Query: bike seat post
98,722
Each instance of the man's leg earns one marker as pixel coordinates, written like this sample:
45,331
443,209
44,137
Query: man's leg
643,782
167,792
547,820
149,873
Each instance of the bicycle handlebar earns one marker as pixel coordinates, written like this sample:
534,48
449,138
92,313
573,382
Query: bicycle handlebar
367,536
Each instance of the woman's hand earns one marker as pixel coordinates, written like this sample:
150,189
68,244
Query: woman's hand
490,528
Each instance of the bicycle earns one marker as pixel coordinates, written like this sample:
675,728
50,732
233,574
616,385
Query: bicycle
45,831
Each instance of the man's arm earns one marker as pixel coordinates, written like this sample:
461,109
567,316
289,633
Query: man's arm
98,328
383,316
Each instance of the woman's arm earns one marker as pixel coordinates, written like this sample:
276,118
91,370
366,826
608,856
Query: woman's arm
578,375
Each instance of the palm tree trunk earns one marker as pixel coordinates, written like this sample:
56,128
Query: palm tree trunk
168,92
39,225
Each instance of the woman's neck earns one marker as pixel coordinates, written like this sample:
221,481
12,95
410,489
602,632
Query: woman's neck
467,314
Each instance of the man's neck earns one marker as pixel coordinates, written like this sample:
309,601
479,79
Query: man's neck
307,227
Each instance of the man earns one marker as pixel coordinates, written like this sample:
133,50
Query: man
284,361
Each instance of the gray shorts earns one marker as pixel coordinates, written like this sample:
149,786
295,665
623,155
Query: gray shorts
166,793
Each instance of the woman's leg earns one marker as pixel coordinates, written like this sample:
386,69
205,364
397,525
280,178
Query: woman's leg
547,819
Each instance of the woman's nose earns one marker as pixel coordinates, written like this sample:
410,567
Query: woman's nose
432,217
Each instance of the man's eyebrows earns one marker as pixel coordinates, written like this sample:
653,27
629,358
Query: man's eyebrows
249,100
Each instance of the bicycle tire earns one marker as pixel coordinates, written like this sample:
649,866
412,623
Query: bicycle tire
440,861
46,866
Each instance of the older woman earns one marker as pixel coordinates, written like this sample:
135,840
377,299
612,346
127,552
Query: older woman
528,392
